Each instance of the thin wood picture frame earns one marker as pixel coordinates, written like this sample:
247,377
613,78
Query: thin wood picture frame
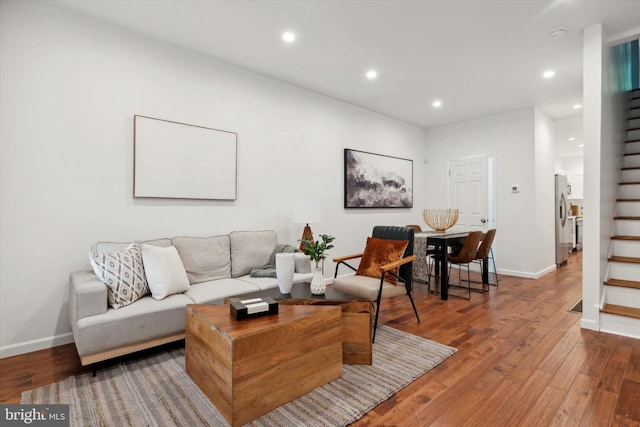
173,160
377,181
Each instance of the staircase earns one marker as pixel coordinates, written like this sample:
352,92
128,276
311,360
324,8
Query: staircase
621,312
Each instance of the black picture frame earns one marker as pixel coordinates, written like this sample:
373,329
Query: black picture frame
377,181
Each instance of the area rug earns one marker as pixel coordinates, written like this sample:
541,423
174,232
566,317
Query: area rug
156,390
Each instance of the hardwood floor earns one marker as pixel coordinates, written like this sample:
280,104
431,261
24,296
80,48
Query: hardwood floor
522,360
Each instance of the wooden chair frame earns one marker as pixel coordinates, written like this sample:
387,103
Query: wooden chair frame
387,268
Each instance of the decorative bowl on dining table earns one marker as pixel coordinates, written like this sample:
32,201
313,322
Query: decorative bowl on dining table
440,219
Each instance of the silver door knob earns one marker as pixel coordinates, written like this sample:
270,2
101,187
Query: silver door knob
483,220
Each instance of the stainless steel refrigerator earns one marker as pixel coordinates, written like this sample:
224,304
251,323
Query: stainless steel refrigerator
563,232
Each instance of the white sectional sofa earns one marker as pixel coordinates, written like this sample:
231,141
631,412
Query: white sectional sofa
216,267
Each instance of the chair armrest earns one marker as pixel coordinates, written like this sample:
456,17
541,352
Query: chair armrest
398,263
87,295
347,257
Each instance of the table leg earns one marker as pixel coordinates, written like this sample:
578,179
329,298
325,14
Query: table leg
485,272
444,274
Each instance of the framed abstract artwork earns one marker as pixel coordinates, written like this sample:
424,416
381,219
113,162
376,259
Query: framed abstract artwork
377,181
174,160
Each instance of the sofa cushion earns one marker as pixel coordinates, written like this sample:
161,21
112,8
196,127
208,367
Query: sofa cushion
145,320
250,249
206,258
106,247
272,282
218,290
164,270
123,273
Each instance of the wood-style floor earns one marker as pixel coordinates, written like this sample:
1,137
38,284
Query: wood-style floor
522,360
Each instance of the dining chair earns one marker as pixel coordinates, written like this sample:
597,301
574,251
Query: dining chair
385,270
465,256
485,252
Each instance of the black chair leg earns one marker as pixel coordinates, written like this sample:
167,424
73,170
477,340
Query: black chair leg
375,323
413,305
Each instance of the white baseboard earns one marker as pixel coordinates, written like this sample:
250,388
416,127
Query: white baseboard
527,275
35,345
588,324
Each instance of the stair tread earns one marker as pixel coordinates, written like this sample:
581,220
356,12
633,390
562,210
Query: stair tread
632,154
629,183
621,310
627,200
631,168
632,218
620,237
629,259
631,141
623,283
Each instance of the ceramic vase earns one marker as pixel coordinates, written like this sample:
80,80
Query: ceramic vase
318,286
285,264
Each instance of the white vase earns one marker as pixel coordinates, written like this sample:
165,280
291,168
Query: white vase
318,286
285,264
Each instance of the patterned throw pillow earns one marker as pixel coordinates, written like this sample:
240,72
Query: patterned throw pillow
123,273
379,252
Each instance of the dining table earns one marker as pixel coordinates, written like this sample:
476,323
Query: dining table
442,242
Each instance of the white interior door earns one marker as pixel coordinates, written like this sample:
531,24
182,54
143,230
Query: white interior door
469,192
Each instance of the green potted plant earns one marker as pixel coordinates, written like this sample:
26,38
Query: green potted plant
316,250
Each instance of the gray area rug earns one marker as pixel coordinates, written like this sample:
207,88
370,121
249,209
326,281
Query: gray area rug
156,390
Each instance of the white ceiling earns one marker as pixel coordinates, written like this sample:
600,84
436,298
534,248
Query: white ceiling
479,57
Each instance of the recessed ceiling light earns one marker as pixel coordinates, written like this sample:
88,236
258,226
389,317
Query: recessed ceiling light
572,139
288,37
577,106
372,74
437,103
581,145
548,74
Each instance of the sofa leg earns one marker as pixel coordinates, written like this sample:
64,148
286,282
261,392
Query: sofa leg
94,369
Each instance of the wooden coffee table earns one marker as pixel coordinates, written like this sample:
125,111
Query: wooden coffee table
250,367
356,317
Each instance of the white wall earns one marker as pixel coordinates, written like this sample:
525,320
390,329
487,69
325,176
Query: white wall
70,87
544,204
604,131
511,138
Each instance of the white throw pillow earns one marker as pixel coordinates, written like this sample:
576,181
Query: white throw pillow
164,270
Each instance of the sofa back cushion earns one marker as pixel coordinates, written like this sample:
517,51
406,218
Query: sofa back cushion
250,249
109,247
204,258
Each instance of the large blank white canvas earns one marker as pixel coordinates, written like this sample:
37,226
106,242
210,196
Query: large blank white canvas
179,161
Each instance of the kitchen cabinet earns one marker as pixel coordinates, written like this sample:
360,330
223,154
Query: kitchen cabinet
576,183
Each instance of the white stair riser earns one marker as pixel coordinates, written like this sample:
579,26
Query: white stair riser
626,248
620,325
627,297
632,147
632,175
634,113
633,134
634,123
628,208
627,228
624,271
630,191
631,162
634,103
